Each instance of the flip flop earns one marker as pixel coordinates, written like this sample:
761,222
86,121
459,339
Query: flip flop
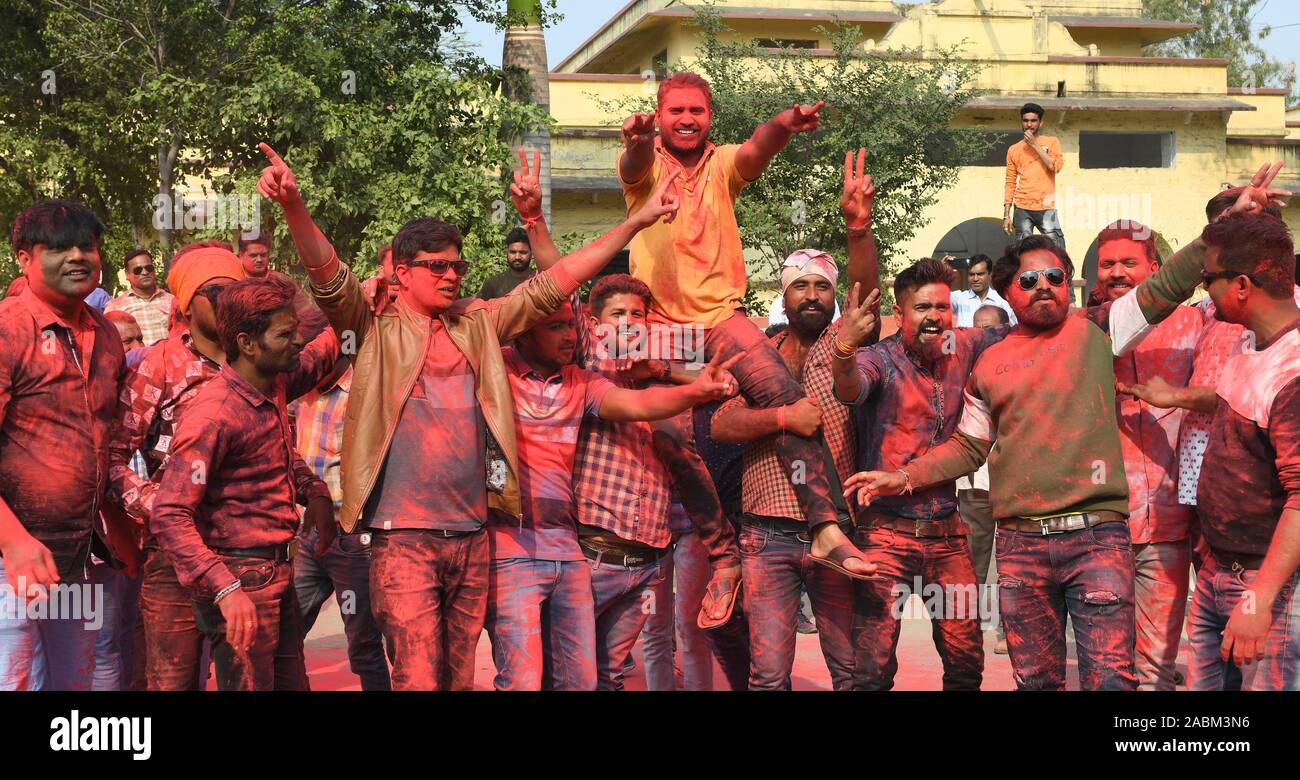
835,560
717,589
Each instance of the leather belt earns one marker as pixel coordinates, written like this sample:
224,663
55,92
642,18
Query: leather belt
628,560
1061,524
271,552
1236,561
951,525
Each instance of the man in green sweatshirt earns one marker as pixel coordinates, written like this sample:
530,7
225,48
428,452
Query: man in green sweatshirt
1040,408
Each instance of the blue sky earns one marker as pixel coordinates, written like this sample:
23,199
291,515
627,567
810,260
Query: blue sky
584,17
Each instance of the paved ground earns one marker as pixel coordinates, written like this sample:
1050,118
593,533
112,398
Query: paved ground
919,666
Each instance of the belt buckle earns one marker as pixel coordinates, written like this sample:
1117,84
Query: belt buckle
804,536
1237,567
1045,526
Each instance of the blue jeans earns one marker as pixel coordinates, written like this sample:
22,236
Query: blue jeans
541,622
688,575
775,567
345,572
1047,222
1218,591
113,649
52,652
1085,574
624,599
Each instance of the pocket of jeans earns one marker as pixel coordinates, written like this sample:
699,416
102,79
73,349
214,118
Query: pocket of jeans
752,540
1111,536
353,545
253,573
1006,543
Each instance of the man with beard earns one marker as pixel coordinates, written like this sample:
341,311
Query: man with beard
1057,482
1158,523
907,391
774,540
966,302
519,258
224,511
695,268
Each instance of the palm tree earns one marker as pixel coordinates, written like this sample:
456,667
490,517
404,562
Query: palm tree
525,48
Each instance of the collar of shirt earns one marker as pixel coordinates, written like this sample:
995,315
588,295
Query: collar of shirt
251,394
517,365
159,292
668,158
46,316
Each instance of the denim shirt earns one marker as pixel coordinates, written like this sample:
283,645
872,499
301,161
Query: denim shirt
905,409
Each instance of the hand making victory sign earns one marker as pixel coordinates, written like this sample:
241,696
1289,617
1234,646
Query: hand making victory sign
526,191
801,118
859,196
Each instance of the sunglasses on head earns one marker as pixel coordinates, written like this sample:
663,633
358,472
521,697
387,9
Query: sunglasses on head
211,291
439,267
1028,280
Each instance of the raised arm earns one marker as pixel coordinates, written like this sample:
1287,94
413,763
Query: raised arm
856,205
526,192
771,137
1159,295
639,146
338,294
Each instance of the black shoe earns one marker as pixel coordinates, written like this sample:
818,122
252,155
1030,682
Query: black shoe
806,626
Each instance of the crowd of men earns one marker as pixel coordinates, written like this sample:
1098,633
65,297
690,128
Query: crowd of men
216,461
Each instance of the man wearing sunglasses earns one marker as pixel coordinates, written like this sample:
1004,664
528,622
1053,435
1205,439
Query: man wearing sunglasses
1059,491
149,304
430,443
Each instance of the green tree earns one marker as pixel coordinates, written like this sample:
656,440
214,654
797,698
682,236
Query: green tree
380,106
1225,32
899,105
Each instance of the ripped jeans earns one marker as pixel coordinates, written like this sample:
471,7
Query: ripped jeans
1085,574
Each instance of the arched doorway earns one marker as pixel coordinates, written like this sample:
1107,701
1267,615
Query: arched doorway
1163,250
979,236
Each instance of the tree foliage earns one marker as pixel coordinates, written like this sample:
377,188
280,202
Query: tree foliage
383,112
1225,32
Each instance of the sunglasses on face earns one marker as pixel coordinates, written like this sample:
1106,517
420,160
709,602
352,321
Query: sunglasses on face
439,267
144,269
1209,277
1028,280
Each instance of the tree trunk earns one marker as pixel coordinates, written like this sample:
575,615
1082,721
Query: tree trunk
525,48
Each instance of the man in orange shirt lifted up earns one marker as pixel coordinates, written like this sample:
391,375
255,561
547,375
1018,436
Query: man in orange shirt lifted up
695,268
1032,166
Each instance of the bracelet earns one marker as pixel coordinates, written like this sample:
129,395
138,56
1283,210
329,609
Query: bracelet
907,489
532,221
780,418
226,591
857,232
839,350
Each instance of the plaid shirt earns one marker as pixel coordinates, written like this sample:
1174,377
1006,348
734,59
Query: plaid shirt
152,399
151,314
765,485
318,420
619,482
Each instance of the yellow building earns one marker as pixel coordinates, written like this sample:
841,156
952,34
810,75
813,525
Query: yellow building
1144,138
